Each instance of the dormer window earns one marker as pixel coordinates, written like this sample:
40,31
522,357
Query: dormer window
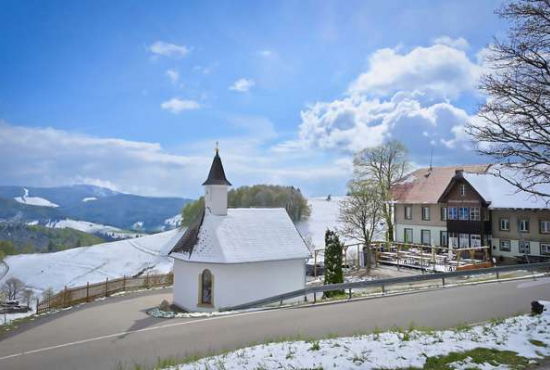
462,189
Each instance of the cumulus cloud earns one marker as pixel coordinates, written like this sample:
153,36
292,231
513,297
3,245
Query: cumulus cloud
458,43
176,105
357,122
173,75
410,96
439,68
242,85
161,48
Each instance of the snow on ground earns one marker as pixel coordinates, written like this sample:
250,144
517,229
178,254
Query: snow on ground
34,201
76,267
93,228
173,222
9,317
528,336
89,199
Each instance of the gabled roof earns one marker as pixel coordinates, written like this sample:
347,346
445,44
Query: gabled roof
500,194
216,176
426,185
190,238
243,235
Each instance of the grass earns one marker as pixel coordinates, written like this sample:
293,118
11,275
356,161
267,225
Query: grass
537,343
478,356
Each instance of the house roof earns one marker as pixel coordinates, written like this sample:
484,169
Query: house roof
243,235
216,176
500,194
426,185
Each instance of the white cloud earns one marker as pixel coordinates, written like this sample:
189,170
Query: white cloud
242,85
176,105
173,75
60,158
168,49
441,69
356,122
458,43
266,53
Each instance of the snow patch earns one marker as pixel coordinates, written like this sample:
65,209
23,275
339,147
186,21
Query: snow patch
89,199
76,267
93,228
173,222
34,201
393,350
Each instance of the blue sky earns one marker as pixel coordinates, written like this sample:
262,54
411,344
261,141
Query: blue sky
134,94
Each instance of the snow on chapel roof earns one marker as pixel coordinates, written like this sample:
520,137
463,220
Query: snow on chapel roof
244,235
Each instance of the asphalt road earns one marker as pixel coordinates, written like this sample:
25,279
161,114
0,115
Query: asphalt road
117,331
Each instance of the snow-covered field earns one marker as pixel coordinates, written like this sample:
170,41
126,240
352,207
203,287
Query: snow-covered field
75,267
528,336
93,228
324,214
34,201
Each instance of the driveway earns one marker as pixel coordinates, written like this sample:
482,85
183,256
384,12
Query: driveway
116,331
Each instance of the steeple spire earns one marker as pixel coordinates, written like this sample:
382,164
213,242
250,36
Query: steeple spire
216,176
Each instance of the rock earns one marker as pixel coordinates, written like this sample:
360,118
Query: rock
165,306
536,308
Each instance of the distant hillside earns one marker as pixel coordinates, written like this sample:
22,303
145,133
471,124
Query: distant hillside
88,203
28,239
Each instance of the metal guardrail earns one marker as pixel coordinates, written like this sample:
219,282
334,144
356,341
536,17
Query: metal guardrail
385,282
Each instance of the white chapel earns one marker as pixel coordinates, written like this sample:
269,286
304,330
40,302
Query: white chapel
232,256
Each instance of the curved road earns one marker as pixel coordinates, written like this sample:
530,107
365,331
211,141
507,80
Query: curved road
116,331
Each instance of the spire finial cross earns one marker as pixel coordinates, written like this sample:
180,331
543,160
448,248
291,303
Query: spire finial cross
217,148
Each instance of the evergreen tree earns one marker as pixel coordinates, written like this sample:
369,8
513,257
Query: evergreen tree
333,261
51,247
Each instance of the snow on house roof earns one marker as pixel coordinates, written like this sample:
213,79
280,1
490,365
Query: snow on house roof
502,194
245,235
426,185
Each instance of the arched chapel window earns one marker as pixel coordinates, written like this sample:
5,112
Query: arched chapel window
206,287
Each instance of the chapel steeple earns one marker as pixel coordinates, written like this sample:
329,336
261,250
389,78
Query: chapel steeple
215,187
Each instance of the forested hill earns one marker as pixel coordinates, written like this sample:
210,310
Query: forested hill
259,196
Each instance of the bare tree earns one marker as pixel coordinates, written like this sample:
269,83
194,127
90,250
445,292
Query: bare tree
515,121
47,294
361,213
386,164
27,295
12,288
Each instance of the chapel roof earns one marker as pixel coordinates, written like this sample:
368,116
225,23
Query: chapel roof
243,235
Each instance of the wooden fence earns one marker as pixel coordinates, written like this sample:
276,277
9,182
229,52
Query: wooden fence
89,292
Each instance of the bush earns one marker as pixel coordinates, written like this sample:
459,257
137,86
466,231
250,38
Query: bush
333,262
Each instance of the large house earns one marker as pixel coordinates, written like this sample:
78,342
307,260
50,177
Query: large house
473,208
419,217
233,256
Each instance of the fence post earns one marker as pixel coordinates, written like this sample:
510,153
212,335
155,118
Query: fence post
124,283
88,291
498,275
314,297
147,281
106,287
383,289
37,302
